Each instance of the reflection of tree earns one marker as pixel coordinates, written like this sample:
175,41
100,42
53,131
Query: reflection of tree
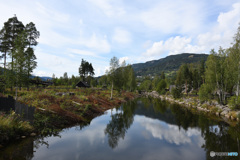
159,105
115,129
120,123
218,136
221,139
19,150
147,102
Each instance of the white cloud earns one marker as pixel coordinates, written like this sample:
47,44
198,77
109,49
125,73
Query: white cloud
221,34
55,64
98,44
82,52
123,59
104,28
52,14
108,8
173,45
170,133
174,16
121,36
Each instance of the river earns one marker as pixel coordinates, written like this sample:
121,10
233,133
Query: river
143,129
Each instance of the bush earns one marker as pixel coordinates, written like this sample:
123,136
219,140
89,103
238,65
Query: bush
234,102
205,93
146,85
161,87
176,93
12,125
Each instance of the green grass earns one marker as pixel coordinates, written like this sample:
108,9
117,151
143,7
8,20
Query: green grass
12,125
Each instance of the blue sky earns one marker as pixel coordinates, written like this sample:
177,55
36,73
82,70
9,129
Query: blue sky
135,31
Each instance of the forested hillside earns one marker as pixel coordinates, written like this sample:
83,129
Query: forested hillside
168,64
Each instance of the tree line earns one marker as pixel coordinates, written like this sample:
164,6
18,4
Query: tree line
16,44
118,77
216,78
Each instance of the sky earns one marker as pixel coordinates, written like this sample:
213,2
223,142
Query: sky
135,31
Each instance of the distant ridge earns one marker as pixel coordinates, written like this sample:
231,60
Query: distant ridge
42,78
167,64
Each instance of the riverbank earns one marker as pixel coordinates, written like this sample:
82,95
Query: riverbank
222,111
60,108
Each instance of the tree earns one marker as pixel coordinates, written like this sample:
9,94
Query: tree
132,84
19,65
85,69
113,75
4,45
17,41
216,74
146,85
161,86
155,82
31,63
65,78
9,33
184,78
32,34
162,75
234,58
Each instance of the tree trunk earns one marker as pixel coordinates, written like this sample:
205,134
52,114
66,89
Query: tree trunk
28,81
5,56
186,88
112,91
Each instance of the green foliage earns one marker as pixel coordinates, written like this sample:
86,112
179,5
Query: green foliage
205,93
168,64
155,82
184,78
146,85
85,69
234,102
161,86
176,92
17,40
12,125
120,77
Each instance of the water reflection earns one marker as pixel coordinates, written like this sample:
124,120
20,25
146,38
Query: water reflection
120,123
141,129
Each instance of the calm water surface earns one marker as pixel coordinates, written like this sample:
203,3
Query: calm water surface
144,129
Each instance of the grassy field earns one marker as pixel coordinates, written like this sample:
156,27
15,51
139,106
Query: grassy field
60,108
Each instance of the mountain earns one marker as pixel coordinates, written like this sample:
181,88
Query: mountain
42,78
167,64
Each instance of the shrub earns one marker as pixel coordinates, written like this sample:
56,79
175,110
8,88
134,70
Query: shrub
234,102
12,125
205,93
176,93
161,87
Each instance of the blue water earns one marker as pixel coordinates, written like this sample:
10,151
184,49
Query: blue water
144,129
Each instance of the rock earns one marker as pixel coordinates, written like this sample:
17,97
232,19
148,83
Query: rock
23,137
238,113
233,118
224,112
59,94
227,116
33,134
226,108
